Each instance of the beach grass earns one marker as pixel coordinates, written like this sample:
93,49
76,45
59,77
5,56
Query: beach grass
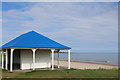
72,73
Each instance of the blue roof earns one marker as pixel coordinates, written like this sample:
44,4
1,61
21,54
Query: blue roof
33,39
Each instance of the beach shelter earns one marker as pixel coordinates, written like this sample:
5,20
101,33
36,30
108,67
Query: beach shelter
30,51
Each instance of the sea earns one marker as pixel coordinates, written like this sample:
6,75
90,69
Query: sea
100,58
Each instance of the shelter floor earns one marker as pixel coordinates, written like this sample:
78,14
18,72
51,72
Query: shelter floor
29,70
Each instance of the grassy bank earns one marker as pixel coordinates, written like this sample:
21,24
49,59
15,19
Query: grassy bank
73,73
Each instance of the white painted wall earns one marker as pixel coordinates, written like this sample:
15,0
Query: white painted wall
43,59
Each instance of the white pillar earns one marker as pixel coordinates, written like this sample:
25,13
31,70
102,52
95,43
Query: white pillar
58,61
11,60
52,58
33,58
2,59
6,67
68,59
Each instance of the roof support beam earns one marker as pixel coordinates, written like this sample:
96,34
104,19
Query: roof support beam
11,60
58,60
34,50
6,67
52,50
2,59
68,59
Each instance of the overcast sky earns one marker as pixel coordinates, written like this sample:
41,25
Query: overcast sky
83,26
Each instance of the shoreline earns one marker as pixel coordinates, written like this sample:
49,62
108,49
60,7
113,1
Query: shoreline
91,63
86,65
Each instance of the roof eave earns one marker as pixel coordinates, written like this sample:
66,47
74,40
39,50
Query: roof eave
38,48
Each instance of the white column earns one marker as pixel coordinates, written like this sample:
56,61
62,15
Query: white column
58,61
11,60
33,58
68,59
2,59
6,59
52,58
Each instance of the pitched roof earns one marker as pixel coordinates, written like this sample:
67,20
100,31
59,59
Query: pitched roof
33,39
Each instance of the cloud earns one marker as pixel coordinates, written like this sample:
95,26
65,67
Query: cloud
79,25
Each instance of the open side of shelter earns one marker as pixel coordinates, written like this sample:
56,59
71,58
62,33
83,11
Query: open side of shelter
13,59
31,51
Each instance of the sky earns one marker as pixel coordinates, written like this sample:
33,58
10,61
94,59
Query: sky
59,0
83,26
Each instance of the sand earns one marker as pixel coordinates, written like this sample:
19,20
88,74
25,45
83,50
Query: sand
86,65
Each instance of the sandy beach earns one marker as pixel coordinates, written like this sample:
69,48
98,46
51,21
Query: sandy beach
86,65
